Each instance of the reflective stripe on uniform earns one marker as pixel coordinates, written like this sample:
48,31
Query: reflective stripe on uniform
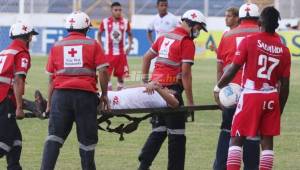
153,51
21,72
257,138
160,129
17,143
9,51
176,131
55,139
241,30
101,66
77,71
187,61
167,61
5,80
73,42
87,148
174,36
226,130
4,147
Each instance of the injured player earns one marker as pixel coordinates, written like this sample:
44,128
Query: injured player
150,95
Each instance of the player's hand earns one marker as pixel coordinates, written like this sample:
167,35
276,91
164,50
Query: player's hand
151,87
104,103
217,99
128,50
19,113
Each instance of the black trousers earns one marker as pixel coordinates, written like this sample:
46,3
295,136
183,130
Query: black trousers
171,125
10,135
250,148
68,106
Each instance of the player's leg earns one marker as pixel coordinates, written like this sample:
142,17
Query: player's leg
224,138
176,134
267,154
14,155
251,151
111,67
153,143
235,153
269,127
86,125
60,124
121,71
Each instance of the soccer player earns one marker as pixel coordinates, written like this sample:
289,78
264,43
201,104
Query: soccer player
15,62
115,28
231,21
266,61
72,93
175,56
162,23
248,15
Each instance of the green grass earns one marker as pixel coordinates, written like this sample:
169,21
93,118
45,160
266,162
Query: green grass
202,135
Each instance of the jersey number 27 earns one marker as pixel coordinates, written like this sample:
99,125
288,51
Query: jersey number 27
264,71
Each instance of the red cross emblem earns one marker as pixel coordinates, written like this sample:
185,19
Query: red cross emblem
87,20
194,15
25,61
24,28
116,100
247,9
72,52
72,21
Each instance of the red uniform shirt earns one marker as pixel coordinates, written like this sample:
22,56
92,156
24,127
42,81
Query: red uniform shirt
115,33
230,42
13,61
73,62
172,49
266,60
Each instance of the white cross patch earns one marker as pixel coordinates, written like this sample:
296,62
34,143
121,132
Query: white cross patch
73,56
24,63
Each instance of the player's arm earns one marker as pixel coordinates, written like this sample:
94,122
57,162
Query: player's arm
149,36
284,92
285,80
163,92
228,75
22,65
18,87
130,39
101,65
150,54
100,32
187,82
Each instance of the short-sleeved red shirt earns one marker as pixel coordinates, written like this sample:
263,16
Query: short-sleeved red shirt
14,60
73,62
266,60
229,43
172,49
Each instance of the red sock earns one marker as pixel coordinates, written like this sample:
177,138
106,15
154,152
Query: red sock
234,158
266,160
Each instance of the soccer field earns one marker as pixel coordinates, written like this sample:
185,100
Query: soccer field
202,135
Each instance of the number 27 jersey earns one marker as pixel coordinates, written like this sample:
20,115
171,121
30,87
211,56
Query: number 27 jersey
266,60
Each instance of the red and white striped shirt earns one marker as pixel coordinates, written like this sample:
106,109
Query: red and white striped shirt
115,34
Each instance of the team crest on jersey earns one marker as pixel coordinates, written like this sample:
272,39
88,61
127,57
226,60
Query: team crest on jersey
116,100
165,47
73,56
116,36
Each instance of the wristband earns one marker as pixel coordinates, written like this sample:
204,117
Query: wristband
217,89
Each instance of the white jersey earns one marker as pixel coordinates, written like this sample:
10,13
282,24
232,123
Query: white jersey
163,24
134,98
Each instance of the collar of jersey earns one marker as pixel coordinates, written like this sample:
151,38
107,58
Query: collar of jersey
19,43
181,30
76,33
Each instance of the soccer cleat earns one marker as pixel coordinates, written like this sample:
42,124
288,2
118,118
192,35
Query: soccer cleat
40,104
